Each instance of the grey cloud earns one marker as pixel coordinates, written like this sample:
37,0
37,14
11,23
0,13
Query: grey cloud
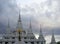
11,11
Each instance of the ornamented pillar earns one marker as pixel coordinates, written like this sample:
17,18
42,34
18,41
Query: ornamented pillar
39,42
43,42
9,42
35,42
3,42
29,42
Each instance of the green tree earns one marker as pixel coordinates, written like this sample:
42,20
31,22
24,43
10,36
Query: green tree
58,42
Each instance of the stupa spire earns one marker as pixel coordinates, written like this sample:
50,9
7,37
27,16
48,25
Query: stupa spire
19,25
41,30
20,30
41,37
30,30
30,33
19,20
8,27
53,38
40,34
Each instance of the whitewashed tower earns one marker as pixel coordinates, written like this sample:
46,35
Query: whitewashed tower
20,32
8,28
30,34
53,39
41,37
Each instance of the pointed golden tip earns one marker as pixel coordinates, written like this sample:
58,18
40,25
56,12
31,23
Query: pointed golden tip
19,30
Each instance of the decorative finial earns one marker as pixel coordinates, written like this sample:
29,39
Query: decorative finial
19,17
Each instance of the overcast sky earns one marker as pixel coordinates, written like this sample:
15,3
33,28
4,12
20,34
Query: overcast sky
45,12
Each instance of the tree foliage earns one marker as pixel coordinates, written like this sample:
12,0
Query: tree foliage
58,42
